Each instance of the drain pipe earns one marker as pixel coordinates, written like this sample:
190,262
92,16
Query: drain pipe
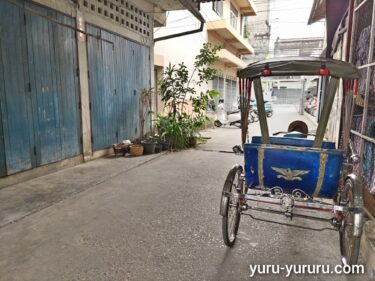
188,4
180,34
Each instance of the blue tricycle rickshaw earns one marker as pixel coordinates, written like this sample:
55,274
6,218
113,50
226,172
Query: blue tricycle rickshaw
294,175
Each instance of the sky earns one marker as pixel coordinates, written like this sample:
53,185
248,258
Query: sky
288,19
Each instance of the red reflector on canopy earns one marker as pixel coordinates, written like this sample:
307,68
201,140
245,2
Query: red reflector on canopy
324,72
266,72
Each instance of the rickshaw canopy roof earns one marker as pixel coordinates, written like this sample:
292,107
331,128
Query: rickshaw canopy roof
300,66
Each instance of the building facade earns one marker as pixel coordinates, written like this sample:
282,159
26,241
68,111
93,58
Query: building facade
225,21
71,73
258,30
350,29
298,47
350,37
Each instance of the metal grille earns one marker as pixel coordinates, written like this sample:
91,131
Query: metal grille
121,12
218,85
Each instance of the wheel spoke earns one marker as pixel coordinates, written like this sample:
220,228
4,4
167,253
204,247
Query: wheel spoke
232,215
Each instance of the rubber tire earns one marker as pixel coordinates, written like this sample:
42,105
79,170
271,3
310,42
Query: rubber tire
237,124
217,123
355,200
255,116
229,239
269,114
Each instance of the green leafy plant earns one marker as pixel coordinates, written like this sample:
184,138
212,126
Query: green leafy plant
177,90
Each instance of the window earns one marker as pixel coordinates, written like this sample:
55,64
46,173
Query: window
233,16
230,100
217,85
217,6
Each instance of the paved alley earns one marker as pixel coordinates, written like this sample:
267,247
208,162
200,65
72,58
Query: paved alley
156,221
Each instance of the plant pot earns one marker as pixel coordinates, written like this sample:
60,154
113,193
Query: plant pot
164,146
149,148
158,148
192,141
136,149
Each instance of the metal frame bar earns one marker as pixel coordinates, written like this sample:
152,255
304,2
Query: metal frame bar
354,18
366,65
261,110
306,209
363,136
359,6
324,116
301,110
288,224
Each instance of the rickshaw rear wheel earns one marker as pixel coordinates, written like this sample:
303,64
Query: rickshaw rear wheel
255,116
230,207
351,197
237,124
217,123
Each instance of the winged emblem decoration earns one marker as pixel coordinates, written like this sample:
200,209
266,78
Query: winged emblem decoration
290,175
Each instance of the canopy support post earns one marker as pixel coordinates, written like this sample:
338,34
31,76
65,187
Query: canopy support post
261,111
328,102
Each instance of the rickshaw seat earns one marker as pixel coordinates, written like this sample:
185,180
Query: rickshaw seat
292,164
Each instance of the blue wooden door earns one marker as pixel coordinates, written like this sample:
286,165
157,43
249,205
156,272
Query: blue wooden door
102,90
16,145
52,62
119,71
39,98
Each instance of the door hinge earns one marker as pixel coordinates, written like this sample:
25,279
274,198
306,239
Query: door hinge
92,139
81,139
115,91
77,70
88,74
34,149
29,87
79,105
90,105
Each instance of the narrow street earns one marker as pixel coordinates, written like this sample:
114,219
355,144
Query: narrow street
158,221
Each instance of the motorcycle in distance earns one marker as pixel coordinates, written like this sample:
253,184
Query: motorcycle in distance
224,118
267,105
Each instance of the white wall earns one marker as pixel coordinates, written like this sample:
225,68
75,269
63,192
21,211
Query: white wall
185,48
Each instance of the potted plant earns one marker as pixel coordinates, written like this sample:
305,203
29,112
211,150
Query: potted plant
178,125
149,145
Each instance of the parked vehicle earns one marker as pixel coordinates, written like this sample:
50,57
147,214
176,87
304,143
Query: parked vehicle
225,119
293,174
267,105
311,104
